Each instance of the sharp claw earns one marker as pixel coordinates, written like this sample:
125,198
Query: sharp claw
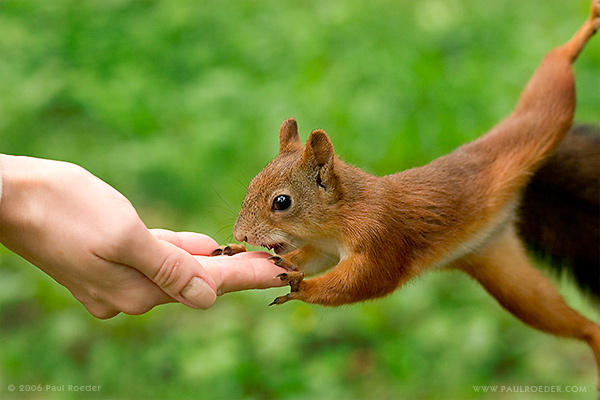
277,261
280,300
283,276
281,262
216,252
228,250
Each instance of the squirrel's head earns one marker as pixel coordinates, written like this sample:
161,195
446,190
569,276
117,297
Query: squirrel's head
293,197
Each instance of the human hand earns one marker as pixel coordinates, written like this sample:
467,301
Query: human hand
247,270
89,238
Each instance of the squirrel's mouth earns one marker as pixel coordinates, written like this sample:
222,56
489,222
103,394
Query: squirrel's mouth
278,248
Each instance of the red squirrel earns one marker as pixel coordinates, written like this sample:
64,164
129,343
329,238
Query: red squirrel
458,212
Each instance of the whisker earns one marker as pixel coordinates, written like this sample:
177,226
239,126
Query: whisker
242,184
223,229
231,208
246,178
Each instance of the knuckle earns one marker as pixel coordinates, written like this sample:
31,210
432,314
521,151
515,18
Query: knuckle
123,232
169,272
135,301
105,314
105,305
127,227
136,308
101,311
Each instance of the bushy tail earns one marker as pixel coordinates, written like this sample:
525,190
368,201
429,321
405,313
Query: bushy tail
560,212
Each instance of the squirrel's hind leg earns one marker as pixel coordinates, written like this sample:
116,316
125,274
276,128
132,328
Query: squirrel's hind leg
590,26
503,269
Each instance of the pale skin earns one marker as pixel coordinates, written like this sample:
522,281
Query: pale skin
89,238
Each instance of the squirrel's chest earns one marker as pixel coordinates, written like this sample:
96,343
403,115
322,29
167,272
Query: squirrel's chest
325,256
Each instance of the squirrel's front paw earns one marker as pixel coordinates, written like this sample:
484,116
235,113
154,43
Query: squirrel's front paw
228,250
293,277
283,263
283,299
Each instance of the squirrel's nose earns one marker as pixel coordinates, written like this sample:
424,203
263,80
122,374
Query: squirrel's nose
239,237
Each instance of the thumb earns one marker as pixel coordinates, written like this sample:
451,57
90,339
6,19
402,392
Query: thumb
175,271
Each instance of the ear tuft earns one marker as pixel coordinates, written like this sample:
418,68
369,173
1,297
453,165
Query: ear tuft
319,148
288,136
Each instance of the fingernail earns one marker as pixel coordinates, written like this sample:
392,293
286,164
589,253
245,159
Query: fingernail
199,293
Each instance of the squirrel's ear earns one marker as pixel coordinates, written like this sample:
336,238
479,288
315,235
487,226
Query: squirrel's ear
288,136
319,155
318,148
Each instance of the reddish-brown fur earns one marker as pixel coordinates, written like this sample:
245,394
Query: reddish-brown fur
457,212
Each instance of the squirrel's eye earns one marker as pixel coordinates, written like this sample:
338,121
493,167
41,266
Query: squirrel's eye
281,202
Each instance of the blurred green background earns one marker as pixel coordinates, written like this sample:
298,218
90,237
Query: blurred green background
178,104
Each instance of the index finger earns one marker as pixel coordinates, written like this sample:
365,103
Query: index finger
249,270
194,243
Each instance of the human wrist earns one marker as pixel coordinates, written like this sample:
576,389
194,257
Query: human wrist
18,188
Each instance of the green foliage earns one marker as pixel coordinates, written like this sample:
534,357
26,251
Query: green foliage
177,104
